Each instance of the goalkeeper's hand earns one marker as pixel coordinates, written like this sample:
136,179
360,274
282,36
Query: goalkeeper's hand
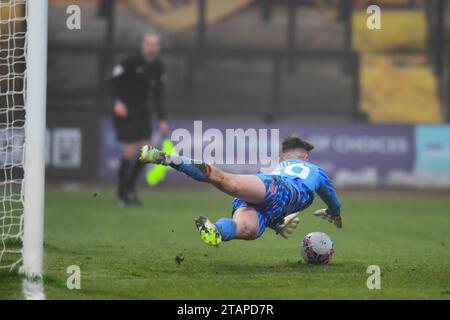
288,225
327,215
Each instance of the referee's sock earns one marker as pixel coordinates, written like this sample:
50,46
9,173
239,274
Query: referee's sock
123,175
134,175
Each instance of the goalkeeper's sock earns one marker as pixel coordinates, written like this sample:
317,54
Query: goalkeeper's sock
197,170
227,228
122,177
135,172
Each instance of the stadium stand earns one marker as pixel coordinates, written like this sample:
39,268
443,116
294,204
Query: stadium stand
394,61
184,16
237,83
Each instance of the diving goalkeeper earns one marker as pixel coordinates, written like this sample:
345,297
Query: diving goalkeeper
261,200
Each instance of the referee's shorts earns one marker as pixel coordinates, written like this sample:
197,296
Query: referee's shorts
135,127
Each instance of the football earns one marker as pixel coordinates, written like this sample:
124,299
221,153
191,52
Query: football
317,248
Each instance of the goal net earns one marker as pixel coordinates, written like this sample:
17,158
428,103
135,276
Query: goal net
23,35
12,131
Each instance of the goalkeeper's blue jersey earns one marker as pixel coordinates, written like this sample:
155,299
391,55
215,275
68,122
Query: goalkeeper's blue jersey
312,179
290,188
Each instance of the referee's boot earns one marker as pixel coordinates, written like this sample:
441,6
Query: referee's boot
133,200
122,198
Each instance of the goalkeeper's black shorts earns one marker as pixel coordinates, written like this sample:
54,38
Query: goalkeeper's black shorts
135,127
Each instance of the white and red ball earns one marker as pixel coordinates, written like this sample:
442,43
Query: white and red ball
317,248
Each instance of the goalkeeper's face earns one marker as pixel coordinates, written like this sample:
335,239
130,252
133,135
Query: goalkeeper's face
150,46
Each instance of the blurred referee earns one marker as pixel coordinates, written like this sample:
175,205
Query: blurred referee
133,81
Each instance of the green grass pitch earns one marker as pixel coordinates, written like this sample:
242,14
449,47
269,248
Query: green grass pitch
131,253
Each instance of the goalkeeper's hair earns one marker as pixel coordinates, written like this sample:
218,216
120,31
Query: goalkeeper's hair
293,143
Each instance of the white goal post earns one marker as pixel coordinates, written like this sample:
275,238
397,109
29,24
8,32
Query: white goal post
23,85
35,132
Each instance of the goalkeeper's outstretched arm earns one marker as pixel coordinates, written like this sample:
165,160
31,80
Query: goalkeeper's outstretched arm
327,193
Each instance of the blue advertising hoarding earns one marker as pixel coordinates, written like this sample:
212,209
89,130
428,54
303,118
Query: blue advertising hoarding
352,154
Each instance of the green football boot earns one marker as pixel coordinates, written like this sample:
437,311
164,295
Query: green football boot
209,233
148,154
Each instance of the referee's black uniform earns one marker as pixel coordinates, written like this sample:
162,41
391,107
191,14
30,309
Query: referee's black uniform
133,80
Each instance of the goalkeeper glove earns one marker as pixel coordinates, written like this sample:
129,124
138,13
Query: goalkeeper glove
288,225
327,215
